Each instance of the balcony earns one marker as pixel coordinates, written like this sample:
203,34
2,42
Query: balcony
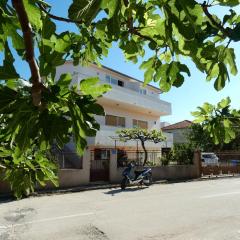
107,137
132,100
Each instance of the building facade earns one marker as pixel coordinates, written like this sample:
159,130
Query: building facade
180,131
127,105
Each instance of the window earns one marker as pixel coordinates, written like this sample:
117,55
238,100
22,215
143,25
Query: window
101,154
122,158
66,158
143,91
114,81
120,83
108,79
140,124
115,121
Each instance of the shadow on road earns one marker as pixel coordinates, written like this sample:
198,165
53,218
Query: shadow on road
119,190
6,199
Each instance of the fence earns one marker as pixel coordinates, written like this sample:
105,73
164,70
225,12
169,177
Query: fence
228,163
124,157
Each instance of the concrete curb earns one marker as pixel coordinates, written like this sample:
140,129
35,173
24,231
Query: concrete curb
83,188
48,192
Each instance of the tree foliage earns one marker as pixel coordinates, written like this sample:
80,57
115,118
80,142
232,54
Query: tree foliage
25,171
220,121
181,153
200,139
142,135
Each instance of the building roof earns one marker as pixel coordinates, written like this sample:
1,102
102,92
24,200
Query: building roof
179,125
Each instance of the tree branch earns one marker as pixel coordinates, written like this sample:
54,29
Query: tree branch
145,152
57,17
37,85
135,31
214,22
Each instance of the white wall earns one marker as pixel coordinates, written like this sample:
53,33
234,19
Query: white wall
129,116
93,71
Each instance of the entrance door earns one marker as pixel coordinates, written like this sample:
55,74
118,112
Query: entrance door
99,170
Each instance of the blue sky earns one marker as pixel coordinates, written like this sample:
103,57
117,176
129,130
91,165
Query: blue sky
194,92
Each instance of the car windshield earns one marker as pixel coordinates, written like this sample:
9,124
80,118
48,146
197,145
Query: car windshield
208,155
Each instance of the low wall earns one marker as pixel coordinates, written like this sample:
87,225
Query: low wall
177,172
171,172
67,178
77,177
73,177
174,172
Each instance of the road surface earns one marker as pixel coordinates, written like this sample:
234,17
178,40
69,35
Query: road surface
198,210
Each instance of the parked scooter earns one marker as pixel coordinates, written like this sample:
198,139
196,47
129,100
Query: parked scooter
140,177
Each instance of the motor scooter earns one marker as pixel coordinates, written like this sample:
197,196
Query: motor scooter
140,177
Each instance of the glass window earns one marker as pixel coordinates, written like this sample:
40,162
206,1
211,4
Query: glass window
120,83
101,154
121,121
143,91
111,120
114,81
135,124
108,78
115,121
143,124
140,124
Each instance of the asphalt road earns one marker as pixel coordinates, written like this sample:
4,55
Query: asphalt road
199,210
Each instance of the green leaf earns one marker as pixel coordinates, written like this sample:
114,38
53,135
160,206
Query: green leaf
148,76
230,3
91,87
222,77
7,71
34,13
64,83
147,64
224,103
111,5
85,10
230,59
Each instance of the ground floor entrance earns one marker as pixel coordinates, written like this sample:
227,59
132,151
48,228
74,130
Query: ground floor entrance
100,162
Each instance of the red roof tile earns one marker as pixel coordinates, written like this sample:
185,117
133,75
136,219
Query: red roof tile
178,125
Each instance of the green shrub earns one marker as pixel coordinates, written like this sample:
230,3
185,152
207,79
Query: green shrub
182,153
165,159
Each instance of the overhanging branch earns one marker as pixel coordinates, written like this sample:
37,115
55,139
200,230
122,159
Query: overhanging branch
57,17
37,86
224,31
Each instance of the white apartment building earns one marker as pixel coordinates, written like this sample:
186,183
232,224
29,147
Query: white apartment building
127,105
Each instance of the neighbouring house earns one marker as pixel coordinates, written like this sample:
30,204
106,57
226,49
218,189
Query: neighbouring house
179,130
127,105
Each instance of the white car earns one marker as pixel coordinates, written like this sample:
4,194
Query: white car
209,158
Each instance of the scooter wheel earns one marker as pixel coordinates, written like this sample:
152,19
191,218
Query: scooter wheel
124,183
150,180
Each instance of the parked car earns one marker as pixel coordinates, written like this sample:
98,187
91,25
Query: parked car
209,158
